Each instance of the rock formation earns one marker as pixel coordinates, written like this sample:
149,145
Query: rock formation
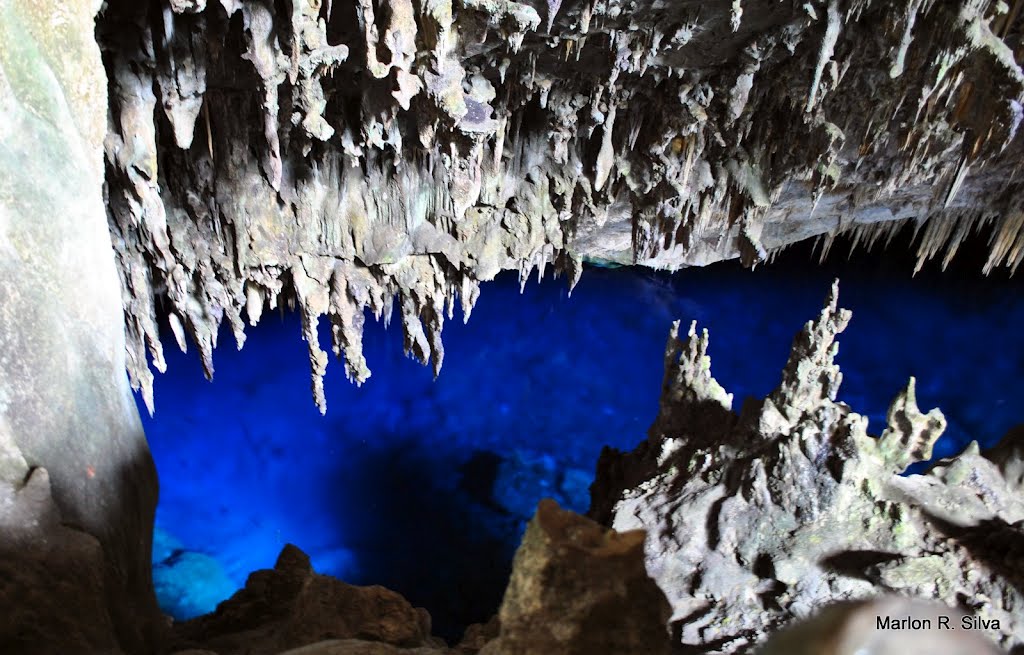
350,155
52,587
77,485
291,606
345,156
764,517
577,588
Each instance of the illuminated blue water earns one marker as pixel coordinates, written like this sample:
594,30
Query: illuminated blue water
423,486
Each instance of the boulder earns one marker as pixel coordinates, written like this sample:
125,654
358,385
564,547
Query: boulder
580,589
291,606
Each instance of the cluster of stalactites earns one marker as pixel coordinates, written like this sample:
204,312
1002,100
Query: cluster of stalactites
943,236
361,155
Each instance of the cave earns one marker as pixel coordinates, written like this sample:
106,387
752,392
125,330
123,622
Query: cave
533,388
655,327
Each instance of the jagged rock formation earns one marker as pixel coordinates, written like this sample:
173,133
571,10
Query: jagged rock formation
578,588
77,484
291,606
352,155
760,518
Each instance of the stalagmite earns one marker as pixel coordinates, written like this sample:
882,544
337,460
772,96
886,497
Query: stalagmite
757,519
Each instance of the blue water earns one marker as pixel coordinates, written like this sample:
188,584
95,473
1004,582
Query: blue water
423,486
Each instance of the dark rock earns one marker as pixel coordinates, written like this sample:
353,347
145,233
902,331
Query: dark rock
291,606
478,634
580,589
358,647
1008,455
52,587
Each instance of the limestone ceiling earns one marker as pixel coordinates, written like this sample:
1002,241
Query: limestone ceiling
364,155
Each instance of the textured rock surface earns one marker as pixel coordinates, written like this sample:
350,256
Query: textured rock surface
352,155
52,590
578,588
290,606
66,410
763,517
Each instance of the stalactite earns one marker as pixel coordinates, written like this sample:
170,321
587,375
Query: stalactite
422,148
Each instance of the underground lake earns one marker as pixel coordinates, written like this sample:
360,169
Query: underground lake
424,486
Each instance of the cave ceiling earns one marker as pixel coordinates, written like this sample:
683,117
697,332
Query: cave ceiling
392,155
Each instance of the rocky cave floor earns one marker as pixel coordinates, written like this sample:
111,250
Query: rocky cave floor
425,486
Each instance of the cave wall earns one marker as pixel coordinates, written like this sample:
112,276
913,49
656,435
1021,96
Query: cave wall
354,156
77,485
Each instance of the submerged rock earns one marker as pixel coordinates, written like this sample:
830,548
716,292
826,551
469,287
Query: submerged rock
523,477
187,583
763,517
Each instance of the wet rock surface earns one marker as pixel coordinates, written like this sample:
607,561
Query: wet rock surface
765,516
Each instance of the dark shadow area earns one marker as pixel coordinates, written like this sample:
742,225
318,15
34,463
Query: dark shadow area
477,478
857,563
422,535
996,544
